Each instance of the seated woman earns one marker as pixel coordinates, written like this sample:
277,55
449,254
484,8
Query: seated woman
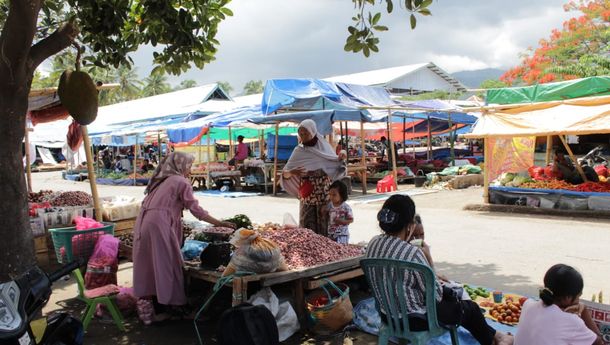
559,318
396,219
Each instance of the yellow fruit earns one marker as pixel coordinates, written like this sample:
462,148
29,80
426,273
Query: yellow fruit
78,94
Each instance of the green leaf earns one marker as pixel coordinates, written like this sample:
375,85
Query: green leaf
348,47
413,21
425,12
366,51
409,5
376,18
390,6
380,28
351,30
426,3
375,48
226,11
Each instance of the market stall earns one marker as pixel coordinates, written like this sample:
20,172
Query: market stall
510,133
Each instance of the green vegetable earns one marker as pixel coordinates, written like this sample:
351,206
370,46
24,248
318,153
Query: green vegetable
240,221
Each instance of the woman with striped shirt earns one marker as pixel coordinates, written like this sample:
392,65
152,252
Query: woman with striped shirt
396,219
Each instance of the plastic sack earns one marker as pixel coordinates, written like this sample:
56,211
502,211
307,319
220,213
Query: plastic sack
126,301
192,249
83,223
254,253
103,265
285,316
289,221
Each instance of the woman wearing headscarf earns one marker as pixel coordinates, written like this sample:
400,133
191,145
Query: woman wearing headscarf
312,167
157,260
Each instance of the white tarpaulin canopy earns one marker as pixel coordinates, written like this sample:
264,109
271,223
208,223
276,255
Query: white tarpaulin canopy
576,117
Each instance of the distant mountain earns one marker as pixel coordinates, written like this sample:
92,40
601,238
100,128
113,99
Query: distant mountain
473,79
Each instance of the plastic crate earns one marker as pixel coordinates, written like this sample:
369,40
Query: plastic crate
71,244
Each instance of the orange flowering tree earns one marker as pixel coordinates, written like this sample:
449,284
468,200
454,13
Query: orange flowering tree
572,52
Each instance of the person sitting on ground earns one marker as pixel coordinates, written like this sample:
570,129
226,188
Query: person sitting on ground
241,152
558,318
565,168
146,166
117,166
397,220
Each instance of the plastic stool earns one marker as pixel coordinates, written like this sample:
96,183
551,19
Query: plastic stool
386,184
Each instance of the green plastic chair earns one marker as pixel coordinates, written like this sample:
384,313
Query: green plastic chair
385,295
92,303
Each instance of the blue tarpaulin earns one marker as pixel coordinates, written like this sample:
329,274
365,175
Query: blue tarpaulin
323,118
314,94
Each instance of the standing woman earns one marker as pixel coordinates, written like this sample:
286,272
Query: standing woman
157,260
312,167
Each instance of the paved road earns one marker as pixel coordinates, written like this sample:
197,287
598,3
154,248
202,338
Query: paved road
503,251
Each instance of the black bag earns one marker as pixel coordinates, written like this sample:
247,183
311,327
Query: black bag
246,324
449,309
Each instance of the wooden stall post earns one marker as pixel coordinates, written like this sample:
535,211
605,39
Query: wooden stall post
261,140
363,159
277,133
231,152
392,149
346,141
135,160
451,141
199,150
208,181
486,168
573,158
549,148
160,146
91,174
28,168
404,132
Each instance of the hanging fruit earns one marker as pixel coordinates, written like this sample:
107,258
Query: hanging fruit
78,93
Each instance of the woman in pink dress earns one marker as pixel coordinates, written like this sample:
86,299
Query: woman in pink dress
157,260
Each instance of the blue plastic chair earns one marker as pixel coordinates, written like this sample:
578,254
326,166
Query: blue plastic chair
393,272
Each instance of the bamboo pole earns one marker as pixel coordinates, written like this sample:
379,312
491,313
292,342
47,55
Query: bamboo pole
231,152
91,174
199,150
28,168
160,146
392,150
451,141
363,159
413,130
486,168
277,129
404,134
573,158
208,182
549,147
346,142
135,160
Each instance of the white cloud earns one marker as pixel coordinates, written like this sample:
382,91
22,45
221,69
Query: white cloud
456,63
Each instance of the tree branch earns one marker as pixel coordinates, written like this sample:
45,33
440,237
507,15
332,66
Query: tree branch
53,44
18,32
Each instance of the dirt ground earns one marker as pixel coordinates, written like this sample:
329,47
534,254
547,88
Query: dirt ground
509,252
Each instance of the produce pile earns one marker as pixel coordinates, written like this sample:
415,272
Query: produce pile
304,248
123,175
72,199
508,312
474,293
240,221
513,180
41,196
599,187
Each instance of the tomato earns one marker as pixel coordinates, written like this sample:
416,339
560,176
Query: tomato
522,300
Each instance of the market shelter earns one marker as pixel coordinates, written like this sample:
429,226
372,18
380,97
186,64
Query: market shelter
510,133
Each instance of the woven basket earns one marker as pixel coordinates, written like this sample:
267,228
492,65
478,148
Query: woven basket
335,313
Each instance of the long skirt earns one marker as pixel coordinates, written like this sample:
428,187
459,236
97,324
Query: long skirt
313,207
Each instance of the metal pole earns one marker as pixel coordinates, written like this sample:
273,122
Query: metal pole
277,129
28,168
392,151
91,174
363,159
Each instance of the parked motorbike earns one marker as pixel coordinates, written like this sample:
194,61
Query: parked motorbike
594,157
21,302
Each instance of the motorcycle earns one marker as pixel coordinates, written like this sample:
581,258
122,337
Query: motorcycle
594,157
22,300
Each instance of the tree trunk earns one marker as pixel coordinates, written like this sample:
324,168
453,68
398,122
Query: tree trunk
16,244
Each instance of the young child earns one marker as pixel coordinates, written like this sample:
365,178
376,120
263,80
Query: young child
339,213
559,318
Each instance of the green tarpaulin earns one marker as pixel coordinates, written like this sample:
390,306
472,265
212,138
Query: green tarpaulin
223,133
586,87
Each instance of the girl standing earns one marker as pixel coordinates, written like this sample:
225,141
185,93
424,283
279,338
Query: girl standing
339,213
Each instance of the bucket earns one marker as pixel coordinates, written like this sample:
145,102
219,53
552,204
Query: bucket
419,179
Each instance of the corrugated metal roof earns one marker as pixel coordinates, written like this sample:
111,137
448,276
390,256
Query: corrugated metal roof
382,77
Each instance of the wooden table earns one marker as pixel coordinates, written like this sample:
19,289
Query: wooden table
301,280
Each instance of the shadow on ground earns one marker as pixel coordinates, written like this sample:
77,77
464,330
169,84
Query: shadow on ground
483,274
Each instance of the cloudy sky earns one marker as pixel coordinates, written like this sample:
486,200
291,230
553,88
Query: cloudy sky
304,38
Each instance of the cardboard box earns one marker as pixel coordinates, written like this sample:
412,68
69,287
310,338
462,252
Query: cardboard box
601,315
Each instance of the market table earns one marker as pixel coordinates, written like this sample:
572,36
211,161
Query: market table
302,279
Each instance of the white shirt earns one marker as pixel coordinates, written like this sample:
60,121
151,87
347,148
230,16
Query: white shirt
542,325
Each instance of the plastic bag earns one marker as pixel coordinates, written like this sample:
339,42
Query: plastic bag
254,253
83,223
289,221
103,265
192,249
285,316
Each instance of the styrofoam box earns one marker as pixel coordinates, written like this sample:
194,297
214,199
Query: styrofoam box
599,203
64,216
37,225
